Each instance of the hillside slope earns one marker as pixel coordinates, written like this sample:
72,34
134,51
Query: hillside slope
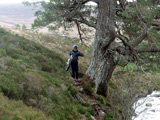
12,110
36,76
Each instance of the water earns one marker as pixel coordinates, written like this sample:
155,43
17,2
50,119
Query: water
148,108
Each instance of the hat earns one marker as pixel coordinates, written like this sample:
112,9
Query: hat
75,47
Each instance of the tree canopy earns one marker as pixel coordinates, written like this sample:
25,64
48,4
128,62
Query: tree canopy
126,32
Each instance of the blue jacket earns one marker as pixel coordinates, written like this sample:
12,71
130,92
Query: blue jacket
75,55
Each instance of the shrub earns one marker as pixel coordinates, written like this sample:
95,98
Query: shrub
2,52
17,117
81,110
88,116
91,110
109,117
73,90
9,87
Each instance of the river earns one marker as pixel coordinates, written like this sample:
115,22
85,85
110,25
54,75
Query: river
148,108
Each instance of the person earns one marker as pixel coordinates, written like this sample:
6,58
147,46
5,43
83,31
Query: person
74,63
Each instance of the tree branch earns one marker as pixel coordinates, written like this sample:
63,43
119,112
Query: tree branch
151,50
144,35
73,13
140,38
84,21
79,31
126,44
155,28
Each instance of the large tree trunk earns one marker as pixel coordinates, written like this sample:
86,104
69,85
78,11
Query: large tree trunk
102,62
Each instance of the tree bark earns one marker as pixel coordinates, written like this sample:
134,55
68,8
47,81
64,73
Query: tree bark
102,62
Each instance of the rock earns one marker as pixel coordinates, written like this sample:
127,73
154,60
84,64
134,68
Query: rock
93,118
101,112
81,89
148,104
101,115
77,84
78,81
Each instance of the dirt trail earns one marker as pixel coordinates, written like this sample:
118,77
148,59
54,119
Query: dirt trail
99,111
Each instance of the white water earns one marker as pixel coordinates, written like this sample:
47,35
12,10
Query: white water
148,108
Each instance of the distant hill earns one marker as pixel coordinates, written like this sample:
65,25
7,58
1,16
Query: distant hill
12,14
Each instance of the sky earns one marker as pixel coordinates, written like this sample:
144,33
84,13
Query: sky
18,1
14,1
10,1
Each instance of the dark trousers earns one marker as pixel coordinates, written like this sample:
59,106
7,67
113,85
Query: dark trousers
75,74
74,65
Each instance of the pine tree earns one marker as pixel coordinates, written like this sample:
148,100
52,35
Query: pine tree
126,32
